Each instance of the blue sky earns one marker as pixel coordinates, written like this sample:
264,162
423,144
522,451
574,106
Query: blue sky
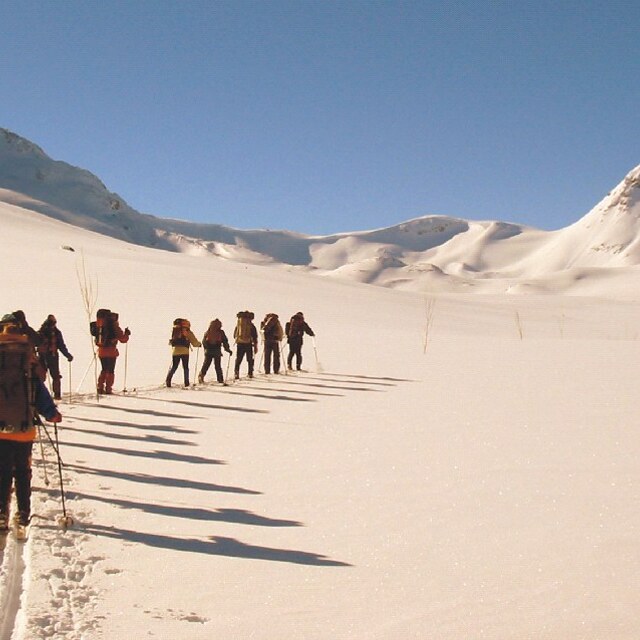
329,116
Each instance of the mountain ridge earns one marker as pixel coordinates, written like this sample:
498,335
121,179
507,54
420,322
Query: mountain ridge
426,253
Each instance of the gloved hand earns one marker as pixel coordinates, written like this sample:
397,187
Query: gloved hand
127,332
56,418
230,352
69,357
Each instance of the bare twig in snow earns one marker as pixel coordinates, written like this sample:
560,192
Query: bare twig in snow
519,325
430,305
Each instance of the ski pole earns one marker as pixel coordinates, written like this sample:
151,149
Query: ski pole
86,373
126,365
44,460
66,519
315,351
283,362
195,368
69,376
39,423
226,375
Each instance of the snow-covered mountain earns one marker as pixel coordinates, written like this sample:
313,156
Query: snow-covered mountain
429,253
485,487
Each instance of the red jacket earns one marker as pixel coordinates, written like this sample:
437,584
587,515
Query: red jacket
110,350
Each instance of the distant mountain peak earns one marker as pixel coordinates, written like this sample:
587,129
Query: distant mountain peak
19,145
429,253
626,194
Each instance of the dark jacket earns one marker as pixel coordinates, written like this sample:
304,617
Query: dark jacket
214,347
51,341
296,328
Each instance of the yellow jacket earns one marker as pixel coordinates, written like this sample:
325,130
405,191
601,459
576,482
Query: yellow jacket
184,351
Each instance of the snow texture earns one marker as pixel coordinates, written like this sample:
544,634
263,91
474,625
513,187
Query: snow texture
459,466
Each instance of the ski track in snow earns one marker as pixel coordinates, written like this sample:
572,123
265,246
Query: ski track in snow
68,610
11,581
69,601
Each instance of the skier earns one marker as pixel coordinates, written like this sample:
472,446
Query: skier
24,394
32,334
107,332
213,341
182,339
272,334
295,330
246,336
51,341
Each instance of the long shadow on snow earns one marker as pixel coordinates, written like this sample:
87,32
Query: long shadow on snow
365,383
155,455
234,516
360,377
300,382
203,405
141,438
247,391
217,546
162,481
133,425
146,412
304,393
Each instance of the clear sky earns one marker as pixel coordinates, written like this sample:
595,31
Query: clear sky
324,116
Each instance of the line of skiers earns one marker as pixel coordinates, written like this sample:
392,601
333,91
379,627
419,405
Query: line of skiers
245,336
26,355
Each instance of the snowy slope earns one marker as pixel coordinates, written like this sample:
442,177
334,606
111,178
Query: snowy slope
485,488
30,179
432,253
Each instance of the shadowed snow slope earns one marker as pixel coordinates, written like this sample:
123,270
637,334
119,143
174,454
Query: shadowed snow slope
432,253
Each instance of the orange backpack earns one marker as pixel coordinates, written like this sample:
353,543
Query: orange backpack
17,389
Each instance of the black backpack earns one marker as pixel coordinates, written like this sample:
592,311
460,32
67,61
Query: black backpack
296,326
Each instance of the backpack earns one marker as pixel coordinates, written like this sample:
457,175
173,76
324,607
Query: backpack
48,338
179,333
214,333
271,328
296,326
243,328
103,329
17,389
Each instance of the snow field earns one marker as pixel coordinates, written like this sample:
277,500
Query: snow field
485,488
